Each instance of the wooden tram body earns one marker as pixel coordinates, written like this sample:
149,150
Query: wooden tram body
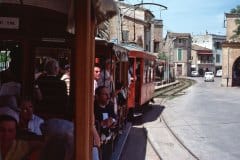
33,28
143,76
40,32
118,55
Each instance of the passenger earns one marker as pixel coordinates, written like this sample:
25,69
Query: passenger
97,76
12,148
28,120
96,138
9,101
96,142
106,75
10,86
66,77
58,140
53,90
106,118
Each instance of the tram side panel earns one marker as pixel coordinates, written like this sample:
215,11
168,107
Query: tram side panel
141,89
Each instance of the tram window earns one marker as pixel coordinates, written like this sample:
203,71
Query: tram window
10,60
146,72
47,101
151,75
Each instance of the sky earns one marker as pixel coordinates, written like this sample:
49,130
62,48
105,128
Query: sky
191,16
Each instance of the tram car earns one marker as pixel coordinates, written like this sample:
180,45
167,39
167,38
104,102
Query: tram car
117,57
142,77
32,31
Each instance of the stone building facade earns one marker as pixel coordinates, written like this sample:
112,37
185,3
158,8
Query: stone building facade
177,48
214,43
231,53
135,24
201,59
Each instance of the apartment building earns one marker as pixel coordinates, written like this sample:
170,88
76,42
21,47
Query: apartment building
135,24
177,48
214,43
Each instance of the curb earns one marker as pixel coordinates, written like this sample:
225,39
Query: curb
121,142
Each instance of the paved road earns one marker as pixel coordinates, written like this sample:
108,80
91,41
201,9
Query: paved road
207,120
137,146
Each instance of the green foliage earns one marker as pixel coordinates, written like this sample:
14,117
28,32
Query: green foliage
235,10
237,21
162,56
4,58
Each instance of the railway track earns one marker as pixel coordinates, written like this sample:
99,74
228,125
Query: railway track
174,90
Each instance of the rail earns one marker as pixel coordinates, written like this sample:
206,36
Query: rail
173,88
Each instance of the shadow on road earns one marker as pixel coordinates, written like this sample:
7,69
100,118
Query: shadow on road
135,146
150,113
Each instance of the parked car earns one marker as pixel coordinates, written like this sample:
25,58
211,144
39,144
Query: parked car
219,73
194,73
209,76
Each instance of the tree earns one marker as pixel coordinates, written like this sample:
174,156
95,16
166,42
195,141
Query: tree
237,21
162,56
236,10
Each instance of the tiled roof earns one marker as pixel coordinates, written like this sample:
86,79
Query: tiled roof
172,34
200,48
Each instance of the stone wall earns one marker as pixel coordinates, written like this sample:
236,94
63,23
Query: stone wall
231,52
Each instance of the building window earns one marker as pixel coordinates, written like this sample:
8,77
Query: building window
217,58
125,35
217,45
179,54
156,47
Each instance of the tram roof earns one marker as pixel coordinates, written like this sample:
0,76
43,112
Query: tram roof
104,9
108,49
137,51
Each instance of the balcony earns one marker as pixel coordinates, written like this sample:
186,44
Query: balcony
205,62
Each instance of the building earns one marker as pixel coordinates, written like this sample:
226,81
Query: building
201,59
177,48
214,43
231,52
135,24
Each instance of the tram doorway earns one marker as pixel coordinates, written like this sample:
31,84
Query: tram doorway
236,73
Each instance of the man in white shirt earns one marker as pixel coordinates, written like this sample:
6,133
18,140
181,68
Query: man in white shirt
97,76
29,121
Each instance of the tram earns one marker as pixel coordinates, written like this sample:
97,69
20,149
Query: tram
142,78
30,31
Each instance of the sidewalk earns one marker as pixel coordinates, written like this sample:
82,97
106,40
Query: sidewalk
164,142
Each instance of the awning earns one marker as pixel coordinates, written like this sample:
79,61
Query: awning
205,53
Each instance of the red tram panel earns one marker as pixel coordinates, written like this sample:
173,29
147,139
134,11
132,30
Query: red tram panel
142,83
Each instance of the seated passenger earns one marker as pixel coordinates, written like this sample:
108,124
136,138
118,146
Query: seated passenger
9,85
53,90
106,119
59,140
12,148
28,120
9,101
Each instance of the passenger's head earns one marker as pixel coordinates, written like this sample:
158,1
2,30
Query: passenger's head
97,71
8,129
102,95
52,67
26,107
109,64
